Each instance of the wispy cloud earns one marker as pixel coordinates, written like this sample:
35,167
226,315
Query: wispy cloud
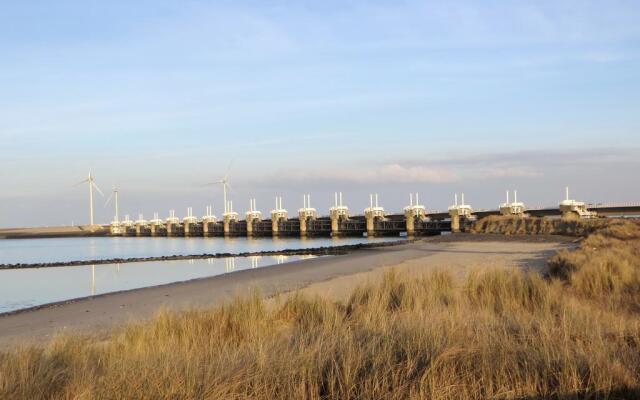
394,173
374,174
525,165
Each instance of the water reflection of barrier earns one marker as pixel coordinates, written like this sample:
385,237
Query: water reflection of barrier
255,261
230,264
281,259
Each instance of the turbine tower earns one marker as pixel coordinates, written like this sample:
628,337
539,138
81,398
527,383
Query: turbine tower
225,185
92,185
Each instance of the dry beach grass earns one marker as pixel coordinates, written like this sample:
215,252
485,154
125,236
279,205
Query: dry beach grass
495,334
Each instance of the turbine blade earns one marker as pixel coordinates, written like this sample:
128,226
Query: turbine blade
97,188
212,183
226,175
81,182
108,199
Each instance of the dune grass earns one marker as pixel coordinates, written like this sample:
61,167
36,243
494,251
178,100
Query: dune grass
495,334
606,267
506,225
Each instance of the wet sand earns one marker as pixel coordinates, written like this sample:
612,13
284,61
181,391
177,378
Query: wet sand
333,276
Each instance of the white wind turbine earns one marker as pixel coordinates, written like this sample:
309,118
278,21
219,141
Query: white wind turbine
225,187
92,185
114,196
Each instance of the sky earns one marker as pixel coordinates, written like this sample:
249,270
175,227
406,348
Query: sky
160,97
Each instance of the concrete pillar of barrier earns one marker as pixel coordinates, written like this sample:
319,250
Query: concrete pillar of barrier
335,225
171,229
372,214
410,223
277,216
455,222
192,229
339,212
371,224
305,215
177,229
412,214
303,226
252,218
228,219
337,215
155,230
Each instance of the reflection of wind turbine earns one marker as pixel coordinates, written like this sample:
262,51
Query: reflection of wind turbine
92,184
114,196
225,187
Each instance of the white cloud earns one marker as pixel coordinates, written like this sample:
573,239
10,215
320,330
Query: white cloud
421,173
402,173
525,165
388,173
509,172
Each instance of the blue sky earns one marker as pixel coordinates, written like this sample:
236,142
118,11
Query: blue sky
158,97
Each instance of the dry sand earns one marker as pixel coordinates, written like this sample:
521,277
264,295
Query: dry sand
333,276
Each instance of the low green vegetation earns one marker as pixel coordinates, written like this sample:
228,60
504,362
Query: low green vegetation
496,334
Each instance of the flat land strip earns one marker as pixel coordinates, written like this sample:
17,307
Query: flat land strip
52,232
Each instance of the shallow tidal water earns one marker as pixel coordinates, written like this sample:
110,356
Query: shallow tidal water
29,287
30,251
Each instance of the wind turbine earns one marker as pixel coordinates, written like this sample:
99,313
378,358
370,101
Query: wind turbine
225,187
114,195
92,184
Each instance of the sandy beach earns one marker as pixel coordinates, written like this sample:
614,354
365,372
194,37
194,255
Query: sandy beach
333,276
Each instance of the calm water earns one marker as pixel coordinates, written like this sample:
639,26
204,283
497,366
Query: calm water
13,251
22,288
